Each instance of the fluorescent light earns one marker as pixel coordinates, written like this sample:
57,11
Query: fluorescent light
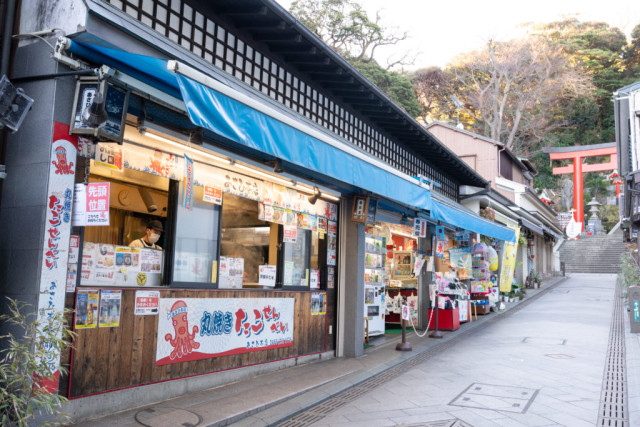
286,182
184,147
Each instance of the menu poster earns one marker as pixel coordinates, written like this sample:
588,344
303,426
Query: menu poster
312,222
331,271
72,275
287,279
331,257
128,259
333,227
74,249
147,302
290,234
290,217
105,263
86,308
267,275
88,262
231,273
110,303
268,213
322,224
278,215
150,261
314,279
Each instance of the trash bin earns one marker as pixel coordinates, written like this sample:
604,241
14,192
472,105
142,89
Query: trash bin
634,308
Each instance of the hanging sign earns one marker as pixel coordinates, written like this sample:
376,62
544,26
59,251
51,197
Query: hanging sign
212,195
187,180
97,210
359,210
109,155
203,328
509,254
440,232
420,227
372,210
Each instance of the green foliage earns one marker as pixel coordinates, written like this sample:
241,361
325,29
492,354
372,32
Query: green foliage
522,240
629,271
21,364
397,86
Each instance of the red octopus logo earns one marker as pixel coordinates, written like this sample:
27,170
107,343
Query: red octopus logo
62,167
183,343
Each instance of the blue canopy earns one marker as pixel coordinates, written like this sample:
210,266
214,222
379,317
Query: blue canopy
245,125
470,221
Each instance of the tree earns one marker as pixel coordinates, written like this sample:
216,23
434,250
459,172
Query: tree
345,26
632,55
434,89
397,86
513,89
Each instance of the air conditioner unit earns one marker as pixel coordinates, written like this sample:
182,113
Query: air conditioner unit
14,105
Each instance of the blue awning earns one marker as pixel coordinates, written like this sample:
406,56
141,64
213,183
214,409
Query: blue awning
468,220
255,129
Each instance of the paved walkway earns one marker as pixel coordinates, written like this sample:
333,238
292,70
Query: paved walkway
540,362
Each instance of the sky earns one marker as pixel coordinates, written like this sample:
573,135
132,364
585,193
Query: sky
440,30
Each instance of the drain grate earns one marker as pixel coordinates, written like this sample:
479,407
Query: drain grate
613,400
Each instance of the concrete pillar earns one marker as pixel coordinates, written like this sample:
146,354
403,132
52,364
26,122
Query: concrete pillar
353,267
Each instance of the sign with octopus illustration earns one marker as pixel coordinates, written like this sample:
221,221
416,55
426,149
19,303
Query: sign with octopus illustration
201,328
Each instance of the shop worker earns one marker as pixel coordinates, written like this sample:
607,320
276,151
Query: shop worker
151,236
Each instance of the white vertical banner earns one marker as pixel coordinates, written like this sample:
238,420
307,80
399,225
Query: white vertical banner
57,232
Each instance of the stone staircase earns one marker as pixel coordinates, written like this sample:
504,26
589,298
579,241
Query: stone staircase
593,254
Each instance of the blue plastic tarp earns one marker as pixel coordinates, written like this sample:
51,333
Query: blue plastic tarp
245,125
470,221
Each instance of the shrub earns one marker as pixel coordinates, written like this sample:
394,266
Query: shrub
22,395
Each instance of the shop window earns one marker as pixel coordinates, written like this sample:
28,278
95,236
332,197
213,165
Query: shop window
196,241
246,243
135,200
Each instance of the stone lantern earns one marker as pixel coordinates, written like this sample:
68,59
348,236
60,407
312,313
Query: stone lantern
595,224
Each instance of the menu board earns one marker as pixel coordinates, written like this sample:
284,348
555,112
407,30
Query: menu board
110,265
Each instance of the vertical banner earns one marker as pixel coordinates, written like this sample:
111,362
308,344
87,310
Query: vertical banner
57,230
509,254
187,189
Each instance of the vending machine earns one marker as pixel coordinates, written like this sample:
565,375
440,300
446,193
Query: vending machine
374,283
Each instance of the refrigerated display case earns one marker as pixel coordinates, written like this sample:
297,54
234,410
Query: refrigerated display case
374,283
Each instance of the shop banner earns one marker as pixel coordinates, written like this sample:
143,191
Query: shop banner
509,254
202,328
419,227
53,271
187,180
440,232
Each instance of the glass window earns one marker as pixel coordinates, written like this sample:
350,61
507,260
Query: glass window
196,240
246,243
295,260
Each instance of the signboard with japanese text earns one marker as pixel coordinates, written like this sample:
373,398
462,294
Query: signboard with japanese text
212,195
359,210
57,230
109,155
202,328
147,303
420,227
509,254
97,211
187,181
267,275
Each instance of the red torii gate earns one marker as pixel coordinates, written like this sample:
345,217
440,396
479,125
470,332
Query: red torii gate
577,153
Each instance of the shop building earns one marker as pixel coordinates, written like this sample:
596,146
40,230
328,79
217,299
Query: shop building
626,102
510,198
266,164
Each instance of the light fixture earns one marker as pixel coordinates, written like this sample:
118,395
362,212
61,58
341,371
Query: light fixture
316,195
277,167
14,105
264,174
404,218
145,132
95,115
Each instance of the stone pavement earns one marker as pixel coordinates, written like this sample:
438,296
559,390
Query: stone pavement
539,362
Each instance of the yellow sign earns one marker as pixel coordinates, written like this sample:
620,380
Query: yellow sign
509,254
141,278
